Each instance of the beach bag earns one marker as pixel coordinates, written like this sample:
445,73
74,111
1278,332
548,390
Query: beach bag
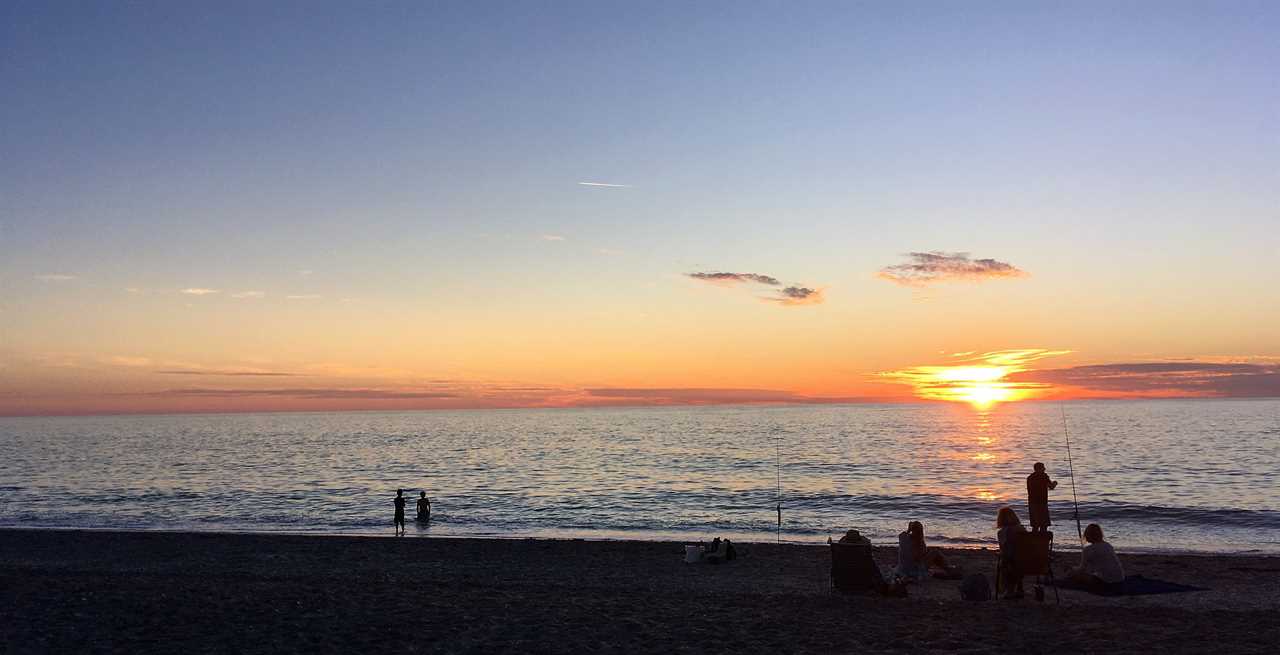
975,587
692,554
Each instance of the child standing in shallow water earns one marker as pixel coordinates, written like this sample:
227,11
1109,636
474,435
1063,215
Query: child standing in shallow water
424,507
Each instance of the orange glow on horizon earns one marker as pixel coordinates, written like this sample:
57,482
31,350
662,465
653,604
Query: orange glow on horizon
982,385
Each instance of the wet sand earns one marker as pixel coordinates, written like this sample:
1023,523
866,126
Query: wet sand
72,591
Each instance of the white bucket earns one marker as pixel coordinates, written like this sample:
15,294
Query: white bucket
692,554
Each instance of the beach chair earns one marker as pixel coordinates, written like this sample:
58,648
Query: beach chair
853,569
1031,556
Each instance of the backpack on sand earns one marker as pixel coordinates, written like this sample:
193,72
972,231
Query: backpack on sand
975,587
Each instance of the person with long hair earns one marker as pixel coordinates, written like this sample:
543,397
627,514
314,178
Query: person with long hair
1100,570
915,558
1007,528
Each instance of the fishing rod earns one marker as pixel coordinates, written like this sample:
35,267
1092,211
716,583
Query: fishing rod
777,441
1072,470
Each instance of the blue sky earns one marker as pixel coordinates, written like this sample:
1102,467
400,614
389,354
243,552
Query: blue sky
421,155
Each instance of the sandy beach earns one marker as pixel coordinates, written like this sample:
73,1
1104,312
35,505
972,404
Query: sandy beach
64,591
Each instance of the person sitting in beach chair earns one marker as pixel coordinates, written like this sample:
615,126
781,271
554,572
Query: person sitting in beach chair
720,550
1007,528
1023,553
916,559
852,567
1100,570
424,508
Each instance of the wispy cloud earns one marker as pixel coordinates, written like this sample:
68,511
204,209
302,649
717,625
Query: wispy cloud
249,294
55,277
701,396
551,237
227,373
306,393
129,360
134,290
924,268
798,296
610,252
605,185
305,272
734,278
787,295
304,296
199,291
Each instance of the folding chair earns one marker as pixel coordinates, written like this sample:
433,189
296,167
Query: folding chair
1031,556
853,569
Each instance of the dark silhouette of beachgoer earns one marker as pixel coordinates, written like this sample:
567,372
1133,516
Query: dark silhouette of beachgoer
1038,486
1007,528
1100,570
424,508
915,558
399,520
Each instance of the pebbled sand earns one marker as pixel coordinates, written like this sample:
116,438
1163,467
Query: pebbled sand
77,591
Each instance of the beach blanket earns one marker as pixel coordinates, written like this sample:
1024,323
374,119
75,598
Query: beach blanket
1134,585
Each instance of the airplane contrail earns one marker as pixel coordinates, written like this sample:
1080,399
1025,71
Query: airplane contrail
612,186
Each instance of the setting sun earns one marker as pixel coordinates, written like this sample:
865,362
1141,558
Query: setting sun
983,395
981,385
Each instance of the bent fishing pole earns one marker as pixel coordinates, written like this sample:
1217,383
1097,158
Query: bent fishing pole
1071,469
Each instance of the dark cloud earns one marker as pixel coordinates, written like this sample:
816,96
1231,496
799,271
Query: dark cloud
1166,378
790,295
214,372
697,396
937,266
798,296
310,394
735,277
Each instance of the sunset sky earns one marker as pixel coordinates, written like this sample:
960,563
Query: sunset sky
280,206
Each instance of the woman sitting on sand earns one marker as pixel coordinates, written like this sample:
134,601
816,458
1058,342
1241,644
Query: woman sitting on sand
1100,570
915,558
1007,528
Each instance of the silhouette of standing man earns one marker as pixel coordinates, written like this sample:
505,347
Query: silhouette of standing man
399,520
1038,486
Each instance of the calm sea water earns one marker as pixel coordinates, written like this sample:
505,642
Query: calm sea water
1158,475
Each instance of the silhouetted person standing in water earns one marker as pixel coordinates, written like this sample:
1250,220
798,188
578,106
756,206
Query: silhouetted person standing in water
399,520
424,508
1038,486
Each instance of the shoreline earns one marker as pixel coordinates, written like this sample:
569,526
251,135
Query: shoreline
153,591
1062,547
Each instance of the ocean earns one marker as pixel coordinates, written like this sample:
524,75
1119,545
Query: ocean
1159,475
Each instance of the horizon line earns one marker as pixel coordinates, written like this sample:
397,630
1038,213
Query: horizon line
810,403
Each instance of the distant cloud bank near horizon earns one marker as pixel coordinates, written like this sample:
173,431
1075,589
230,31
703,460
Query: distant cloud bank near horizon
1178,379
